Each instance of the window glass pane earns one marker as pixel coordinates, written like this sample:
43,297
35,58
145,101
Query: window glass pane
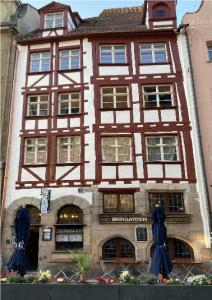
110,202
175,203
35,56
43,110
126,249
145,46
153,141
35,64
64,63
154,153
126,203
160,56
106,57
170,153
109,249
75,62
165,99
146,57
159,46
107,102
169,140
210,53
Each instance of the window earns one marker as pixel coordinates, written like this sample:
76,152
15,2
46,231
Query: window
162,148
160,13
35,151
116,149
115,54
54,20
70,59
38,105
115,97
68,149
210,53
153,53
118,202
118,248
69,229
40,62
171,202
157,95
178,250
69,103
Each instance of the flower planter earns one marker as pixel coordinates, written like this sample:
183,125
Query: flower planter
52,291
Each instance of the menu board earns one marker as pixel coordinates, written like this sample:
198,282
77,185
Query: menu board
141,234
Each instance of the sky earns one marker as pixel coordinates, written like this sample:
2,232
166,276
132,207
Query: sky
92,8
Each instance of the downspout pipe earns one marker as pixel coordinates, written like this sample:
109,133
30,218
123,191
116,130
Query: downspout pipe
208,206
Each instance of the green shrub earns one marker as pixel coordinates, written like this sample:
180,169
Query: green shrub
16,279
149,279
134,280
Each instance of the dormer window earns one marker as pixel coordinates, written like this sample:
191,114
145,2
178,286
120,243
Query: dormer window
54,20
161,10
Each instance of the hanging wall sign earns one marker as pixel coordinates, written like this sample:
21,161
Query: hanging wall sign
45,201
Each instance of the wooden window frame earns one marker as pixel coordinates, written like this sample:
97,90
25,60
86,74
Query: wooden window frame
70,100
166,206
38,103
69,144
70,55
115,94
113,62
40,59
36,150
118,250
158,93
118,202
162,146
54,25
153,51
116,146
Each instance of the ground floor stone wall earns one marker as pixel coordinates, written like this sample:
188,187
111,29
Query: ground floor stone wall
95,233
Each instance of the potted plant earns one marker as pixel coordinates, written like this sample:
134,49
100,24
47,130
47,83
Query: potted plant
81,262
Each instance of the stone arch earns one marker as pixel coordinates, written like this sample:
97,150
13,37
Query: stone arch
183,239
12,209
82,203
112,237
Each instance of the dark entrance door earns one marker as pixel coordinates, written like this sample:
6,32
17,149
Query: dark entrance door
32,248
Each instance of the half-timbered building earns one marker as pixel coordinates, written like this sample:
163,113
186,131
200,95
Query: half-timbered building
100,119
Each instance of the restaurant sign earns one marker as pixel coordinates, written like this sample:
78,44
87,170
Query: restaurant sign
142,219
132,219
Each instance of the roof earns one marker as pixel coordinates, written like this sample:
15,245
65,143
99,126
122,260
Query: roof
125,19
115,19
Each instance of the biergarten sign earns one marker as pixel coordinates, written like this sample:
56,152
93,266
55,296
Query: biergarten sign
142,219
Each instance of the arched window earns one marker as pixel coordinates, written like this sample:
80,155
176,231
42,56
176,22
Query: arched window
118,248
70,214
160,10
69,228
178,250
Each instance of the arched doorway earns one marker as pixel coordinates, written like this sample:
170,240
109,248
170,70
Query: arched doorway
118,249
33,241
69,228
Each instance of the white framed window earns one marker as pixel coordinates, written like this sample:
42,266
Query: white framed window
153,53
116,149
35,151
163,148
113,54
40,62
69,103
115,97
68,149
157,95
210,53
69,59
54,20
37,105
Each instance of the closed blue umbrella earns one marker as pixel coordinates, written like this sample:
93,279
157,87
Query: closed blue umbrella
18,260
161,263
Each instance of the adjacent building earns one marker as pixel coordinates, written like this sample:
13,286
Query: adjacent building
16,19
197,42
102,128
